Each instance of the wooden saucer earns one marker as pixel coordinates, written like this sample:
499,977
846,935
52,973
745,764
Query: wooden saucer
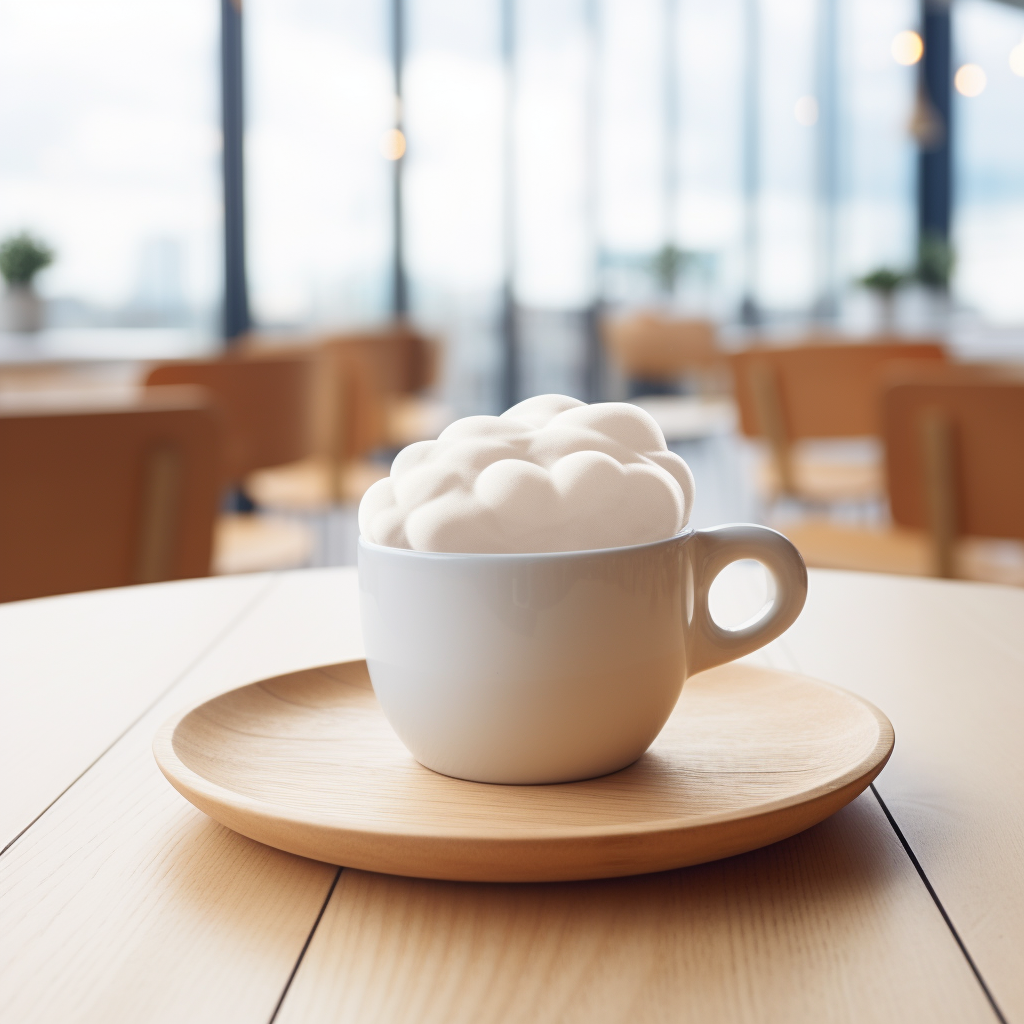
307,763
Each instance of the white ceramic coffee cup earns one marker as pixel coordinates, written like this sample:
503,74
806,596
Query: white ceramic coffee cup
514,668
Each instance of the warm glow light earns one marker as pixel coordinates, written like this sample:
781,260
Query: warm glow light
806,111
907,48
392,145
1017,59
970,80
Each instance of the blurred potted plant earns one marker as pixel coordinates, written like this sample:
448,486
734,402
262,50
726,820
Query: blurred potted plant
884,283
667,265
935,261
21,258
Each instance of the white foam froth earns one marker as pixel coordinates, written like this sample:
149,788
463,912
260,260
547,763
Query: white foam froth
550,474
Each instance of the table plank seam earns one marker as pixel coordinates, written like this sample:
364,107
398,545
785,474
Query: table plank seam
789,655
938,903
191,666
305,946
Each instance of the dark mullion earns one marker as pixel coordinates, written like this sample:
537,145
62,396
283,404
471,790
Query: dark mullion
236,295
934,168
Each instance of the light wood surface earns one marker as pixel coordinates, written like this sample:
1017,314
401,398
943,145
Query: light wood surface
832,925
124,903
308,763
829,925
76,671
946,661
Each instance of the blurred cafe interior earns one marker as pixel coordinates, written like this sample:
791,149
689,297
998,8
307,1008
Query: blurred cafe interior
250,252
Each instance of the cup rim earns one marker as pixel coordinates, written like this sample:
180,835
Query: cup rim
509,556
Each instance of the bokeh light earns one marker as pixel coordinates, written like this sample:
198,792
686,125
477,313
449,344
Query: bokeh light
907,48
392,145
806,111
1017,59
970,80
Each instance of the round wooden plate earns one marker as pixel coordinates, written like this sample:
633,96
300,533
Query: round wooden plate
307,763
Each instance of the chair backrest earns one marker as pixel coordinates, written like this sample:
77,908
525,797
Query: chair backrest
955,454
819,390
107,495
651,347
266,405
361,373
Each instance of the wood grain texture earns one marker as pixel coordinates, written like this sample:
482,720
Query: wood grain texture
946,661
308,763
77,670
831,925
124,903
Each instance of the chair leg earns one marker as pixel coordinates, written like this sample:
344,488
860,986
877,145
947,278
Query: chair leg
772,422
940,489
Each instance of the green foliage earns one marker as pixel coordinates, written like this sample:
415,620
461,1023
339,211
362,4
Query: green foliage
668,264
22,257
883,280
935,261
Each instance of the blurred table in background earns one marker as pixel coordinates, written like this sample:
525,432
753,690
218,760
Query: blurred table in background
690,417
106,344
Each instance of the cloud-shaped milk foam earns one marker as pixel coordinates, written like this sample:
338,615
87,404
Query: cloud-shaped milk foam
550,474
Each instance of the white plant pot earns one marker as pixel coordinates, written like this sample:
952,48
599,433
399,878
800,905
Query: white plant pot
23,310
886,302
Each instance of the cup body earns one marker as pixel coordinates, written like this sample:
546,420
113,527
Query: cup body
536,668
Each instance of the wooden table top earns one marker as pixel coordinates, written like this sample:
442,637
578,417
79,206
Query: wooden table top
119,901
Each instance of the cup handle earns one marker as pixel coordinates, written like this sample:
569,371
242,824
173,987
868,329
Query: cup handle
712,645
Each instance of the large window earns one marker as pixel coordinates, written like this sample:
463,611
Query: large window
710,67
988,122
453,109
110,151
561,154
320,97
877,157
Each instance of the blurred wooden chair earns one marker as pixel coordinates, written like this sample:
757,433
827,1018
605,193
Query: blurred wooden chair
793,398
955,467
266,406
107,494
368,400
655,352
